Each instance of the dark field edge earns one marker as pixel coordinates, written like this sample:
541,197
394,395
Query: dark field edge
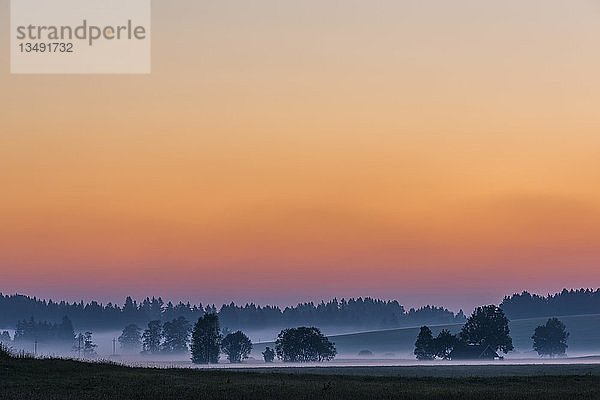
67,379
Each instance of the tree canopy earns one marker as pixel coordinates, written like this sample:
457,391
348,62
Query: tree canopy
151,338
424,344
485,332
206,340
551,339
304,344
488,326
176,334
444,343
237,346
130,338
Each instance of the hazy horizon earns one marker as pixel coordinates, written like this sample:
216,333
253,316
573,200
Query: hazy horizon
268,301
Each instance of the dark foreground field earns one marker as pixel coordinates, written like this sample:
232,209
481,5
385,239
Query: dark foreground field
59,379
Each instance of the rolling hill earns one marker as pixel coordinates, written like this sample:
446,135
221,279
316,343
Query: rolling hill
399,343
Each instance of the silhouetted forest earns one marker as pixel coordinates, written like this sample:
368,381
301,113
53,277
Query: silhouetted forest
45,332
567,302
365,313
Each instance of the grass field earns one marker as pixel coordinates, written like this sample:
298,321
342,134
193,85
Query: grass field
61,379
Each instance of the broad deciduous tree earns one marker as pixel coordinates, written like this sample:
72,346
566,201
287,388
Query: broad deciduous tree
304,345
488,326
237,346
444,343
551,339
424,344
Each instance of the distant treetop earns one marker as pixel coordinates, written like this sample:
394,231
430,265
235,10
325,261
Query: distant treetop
567,302
359,312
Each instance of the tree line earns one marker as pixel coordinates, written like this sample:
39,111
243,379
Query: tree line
206,341
567,302
44,331
356,313
60,336
486,333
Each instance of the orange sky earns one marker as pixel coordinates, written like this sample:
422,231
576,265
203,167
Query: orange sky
283,151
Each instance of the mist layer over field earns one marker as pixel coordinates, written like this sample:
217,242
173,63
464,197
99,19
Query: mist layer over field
388,347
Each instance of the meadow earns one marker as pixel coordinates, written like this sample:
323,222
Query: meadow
39,379
584,339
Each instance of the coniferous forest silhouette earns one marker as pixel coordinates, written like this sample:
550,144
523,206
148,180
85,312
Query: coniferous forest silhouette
366,313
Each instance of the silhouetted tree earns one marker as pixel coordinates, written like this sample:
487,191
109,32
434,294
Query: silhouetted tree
206,340
152,309
488,326
268,355
65,332
130,338
151,338
424,349
89,347
551,339
176,335
444,343
237,346
130,310
304,345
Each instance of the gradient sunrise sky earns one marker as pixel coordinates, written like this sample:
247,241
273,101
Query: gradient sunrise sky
441,152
